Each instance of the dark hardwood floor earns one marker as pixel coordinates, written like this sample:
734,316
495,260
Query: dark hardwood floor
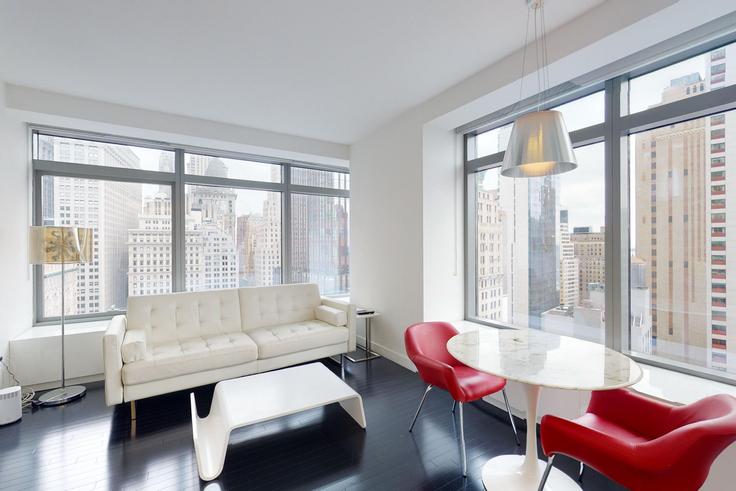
86,445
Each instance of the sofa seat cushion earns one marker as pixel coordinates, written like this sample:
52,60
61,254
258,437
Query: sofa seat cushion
297,336
173,358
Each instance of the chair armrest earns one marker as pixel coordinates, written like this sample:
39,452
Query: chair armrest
630,409
436,373
112,342
559,435
350,310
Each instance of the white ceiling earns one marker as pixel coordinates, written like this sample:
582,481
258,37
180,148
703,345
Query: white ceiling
328,69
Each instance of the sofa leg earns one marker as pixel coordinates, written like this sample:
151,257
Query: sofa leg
342,366
132,411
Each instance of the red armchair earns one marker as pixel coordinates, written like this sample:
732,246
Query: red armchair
426,345
642,443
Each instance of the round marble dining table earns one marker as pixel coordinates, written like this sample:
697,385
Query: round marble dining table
539,359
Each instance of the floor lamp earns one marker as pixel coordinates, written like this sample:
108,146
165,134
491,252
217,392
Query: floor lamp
60,245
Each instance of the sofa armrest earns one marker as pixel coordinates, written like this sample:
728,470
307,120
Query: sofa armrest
112,342
134,347
350,310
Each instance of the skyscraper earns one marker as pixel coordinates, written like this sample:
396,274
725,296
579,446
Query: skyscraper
569,266
109,208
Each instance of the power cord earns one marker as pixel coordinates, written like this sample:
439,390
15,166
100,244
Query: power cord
27,397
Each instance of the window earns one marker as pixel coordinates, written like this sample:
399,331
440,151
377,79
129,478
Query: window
233,238
539,247
230,226
302,176
684,302
319,242
202,165
128,223
57,148
674,82
670,211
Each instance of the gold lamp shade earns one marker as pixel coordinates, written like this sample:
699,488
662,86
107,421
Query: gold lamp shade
59,245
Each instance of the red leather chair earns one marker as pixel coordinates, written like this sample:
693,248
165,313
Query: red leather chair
642,443
426,345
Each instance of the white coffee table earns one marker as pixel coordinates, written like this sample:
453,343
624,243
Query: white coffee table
257,398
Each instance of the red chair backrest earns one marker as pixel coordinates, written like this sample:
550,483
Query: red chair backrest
430,339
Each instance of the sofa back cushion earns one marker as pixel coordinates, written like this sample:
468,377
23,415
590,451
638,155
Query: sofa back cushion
274,305
185,315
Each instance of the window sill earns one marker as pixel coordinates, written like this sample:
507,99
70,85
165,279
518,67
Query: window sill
54,330
659,383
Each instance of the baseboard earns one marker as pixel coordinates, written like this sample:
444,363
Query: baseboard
73,381
389,354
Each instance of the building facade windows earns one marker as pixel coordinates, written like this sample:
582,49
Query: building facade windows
221,229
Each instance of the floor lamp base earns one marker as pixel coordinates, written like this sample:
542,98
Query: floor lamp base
62,395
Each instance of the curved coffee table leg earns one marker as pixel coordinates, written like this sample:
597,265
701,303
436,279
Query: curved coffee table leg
524,472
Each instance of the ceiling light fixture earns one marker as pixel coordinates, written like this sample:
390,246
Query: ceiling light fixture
540,144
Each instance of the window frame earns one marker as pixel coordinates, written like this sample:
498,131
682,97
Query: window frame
178,180
614,132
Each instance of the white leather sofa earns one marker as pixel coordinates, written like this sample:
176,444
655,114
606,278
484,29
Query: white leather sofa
172,342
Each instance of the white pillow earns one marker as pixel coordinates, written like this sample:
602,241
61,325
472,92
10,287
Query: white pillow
134,345
331,315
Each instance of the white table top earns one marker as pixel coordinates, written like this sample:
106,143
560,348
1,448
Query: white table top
544,359
264,396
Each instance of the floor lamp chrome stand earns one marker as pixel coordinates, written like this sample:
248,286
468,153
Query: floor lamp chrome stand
62,246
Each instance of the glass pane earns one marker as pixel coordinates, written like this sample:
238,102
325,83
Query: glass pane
202,165
703,73
540,259
578,114
132,243
681,225
490,142
233,238
586,111
319,242
320,178
104,154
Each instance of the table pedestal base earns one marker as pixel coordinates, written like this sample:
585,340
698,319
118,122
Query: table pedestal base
507,473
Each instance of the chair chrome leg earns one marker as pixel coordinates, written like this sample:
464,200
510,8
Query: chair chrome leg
133,414
462,443
342,366
511,416
421,403
454,405
547,470
582,470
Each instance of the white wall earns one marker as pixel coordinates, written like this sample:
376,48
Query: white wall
15,285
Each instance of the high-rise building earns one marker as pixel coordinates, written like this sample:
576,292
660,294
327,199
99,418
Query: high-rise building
149,248
319,228
671,234
569,266
109,208
720,133
589,249
246,240
491,302
542,245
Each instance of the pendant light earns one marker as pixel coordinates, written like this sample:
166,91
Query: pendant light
540,144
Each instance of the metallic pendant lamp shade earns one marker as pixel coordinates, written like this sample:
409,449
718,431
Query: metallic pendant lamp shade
62,246
540,144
